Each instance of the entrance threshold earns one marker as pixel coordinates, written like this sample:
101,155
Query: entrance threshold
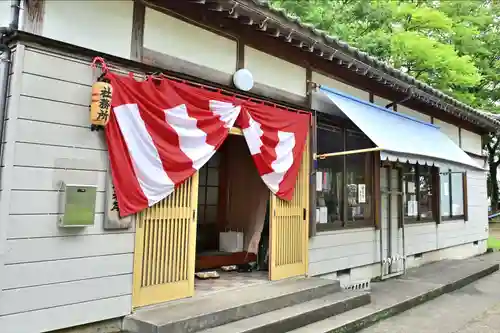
229,281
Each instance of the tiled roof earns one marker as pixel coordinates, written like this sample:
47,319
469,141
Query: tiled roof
461,109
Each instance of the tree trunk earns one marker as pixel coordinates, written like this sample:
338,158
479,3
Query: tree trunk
494,186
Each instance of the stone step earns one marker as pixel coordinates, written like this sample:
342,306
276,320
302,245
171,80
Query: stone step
394,296
286,319
201,313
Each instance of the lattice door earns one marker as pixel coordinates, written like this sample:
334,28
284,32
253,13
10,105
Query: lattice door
165,246
289,228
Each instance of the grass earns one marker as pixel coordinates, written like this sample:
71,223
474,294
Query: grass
493,243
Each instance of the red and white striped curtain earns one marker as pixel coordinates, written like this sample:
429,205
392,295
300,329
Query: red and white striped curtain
161,132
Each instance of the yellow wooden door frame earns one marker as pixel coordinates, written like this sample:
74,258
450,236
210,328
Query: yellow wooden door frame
289,228
165,248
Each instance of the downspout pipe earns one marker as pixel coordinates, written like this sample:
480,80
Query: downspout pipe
5,62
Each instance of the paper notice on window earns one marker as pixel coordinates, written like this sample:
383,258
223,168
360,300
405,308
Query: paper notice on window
411,187
412,208
323,215
409,207
361,193
319,181
446,189
317,215
415,208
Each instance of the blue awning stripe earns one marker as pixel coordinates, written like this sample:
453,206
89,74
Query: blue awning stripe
372,105
400,136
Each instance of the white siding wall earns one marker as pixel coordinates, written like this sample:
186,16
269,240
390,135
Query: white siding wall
476,228
471,142
105,26
55,278
336,250
168,35
276,73
420,237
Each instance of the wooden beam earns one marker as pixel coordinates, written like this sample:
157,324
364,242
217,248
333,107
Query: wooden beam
137,42
465,197
312,164
240,56
436,193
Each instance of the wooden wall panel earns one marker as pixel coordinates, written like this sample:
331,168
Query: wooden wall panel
71,270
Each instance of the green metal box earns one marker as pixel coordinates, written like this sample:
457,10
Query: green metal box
78,205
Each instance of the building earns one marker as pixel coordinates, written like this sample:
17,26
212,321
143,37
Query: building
367,216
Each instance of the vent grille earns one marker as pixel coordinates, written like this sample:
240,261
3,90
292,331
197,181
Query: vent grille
357,285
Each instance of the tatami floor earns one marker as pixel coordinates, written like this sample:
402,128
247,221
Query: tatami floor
230,280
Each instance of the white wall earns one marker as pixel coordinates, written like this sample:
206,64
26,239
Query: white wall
5,13
340,86
452,131
413,113
331,251
105,26
471,142
55,278
382,102
6,164
168,35
275,72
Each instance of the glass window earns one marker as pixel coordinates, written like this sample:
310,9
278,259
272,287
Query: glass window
457,194
418,193
425,193
329,178
208,191
344,184
410,191
359,178
452,195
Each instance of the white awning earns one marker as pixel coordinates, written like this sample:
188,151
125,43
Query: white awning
401,137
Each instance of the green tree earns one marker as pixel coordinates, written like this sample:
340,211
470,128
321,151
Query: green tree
453,45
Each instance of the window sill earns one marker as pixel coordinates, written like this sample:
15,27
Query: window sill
324,227
415,221
453,219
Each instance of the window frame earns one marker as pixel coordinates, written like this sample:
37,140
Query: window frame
360,223
436,209
202,207
465,216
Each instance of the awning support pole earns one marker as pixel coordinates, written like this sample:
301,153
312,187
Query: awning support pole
349,152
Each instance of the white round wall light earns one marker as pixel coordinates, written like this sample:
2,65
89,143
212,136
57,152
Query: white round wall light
243,79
